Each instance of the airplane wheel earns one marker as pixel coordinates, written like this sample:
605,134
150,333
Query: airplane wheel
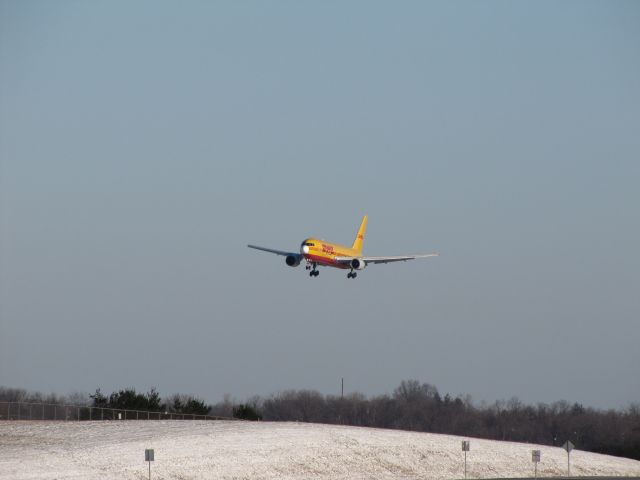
317,273
354,275
311,274
349,275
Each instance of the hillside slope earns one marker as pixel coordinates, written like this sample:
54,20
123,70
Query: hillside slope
269,450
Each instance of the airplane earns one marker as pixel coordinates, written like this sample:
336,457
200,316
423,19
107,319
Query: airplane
318,252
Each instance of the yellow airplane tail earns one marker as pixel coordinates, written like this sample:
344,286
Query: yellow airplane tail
357,243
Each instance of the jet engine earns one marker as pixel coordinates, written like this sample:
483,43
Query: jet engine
357,264
293,260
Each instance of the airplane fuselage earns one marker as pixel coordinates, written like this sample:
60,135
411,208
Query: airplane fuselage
324,253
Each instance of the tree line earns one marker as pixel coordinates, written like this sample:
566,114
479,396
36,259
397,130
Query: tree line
129,399
420,407
125,399
412,406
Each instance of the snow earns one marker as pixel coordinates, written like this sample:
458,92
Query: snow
269,450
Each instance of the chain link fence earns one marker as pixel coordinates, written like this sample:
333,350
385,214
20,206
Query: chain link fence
52,411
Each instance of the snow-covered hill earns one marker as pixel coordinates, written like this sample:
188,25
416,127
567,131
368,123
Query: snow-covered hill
266,450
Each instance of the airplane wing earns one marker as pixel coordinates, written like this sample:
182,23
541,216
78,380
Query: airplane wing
271,250
399,258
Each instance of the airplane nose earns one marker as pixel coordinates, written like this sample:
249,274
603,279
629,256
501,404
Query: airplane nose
305,249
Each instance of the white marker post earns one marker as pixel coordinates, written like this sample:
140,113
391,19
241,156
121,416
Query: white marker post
465,449
148,457
568,446
535,458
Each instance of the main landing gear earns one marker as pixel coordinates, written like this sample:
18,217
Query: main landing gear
314,272
352,274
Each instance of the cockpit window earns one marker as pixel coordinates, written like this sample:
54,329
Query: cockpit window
308,244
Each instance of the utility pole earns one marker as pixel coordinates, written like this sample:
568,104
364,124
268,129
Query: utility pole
342,391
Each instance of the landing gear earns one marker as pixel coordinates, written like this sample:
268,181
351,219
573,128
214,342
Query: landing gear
352,274
314,272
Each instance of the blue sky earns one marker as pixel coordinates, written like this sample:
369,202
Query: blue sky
143,145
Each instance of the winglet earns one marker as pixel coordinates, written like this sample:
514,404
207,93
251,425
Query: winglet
357,243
